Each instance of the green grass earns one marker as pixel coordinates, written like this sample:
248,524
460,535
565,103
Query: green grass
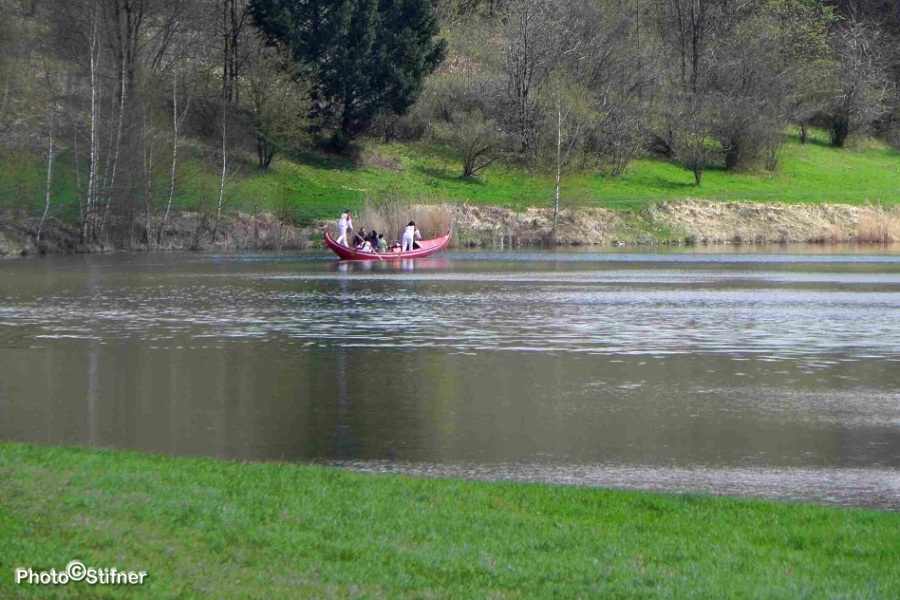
814,173
214,529
311,186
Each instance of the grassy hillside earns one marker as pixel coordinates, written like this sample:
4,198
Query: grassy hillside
310,186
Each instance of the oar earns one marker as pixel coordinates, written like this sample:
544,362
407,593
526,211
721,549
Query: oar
355,248
375,250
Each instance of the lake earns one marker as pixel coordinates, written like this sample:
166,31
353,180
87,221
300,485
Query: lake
768,372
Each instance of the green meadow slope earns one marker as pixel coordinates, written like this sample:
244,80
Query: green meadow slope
308,188
312,186
814,174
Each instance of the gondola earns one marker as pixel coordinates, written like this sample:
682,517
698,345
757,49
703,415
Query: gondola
426,248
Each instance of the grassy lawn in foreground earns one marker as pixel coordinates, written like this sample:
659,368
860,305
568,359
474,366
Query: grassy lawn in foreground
204,528
314,186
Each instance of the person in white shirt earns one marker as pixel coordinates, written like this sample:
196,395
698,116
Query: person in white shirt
344,223
410,235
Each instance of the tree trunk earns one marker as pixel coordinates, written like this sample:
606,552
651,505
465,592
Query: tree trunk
176,125
5,100
87,223
222,179
840,129
115,144
232,27
226,53
236,26
49,181
148,182
559,159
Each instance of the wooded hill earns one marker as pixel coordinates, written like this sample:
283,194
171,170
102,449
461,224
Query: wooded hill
115,113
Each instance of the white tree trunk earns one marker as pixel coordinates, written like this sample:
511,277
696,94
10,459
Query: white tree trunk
87,222
222,180
148,181
113,157
559,165
49,180
176,125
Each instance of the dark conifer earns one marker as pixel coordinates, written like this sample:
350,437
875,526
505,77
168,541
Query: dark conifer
362,56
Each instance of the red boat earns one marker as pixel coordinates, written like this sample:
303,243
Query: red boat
426,248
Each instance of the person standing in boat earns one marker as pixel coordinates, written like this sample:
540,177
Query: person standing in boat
344,223
410,235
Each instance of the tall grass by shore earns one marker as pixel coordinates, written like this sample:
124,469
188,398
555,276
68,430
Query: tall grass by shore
204,528
389,214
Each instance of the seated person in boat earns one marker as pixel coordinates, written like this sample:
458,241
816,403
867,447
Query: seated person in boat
382,243
362,242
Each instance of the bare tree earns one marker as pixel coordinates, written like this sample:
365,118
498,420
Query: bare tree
478,138
114,149
148,176
220,202
573,114
37,236
125,21
91,198
600,52
685,26
277,102
177,121
754,74
693,139
861,84
234,17
6,45
531,54
466,116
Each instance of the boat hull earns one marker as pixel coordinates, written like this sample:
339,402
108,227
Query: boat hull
426,248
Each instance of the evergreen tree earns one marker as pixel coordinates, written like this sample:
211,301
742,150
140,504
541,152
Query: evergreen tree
362,56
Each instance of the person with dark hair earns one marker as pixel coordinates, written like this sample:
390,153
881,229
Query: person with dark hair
382,243
362,241
410,235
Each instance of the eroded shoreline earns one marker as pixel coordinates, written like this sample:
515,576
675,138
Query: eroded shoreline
678,222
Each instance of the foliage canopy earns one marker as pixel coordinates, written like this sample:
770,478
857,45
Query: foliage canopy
362,56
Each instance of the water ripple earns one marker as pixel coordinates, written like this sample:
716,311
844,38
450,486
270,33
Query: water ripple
488,312
864,488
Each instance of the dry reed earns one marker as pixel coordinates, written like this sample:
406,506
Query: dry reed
389,215
877,228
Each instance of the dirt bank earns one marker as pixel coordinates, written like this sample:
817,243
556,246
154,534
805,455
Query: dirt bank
690,221
185,231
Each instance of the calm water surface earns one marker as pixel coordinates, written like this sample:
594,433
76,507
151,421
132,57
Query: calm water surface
772,374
